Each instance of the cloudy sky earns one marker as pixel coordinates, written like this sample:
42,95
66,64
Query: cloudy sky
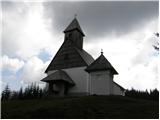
32,32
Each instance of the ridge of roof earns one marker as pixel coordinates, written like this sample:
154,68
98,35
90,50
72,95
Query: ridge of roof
101,63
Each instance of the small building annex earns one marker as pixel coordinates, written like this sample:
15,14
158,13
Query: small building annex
73,71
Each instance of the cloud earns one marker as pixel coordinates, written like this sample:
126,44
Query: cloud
144,76
25,30
33,70
11,64
26,36
132,55
33,32
22,73
99,19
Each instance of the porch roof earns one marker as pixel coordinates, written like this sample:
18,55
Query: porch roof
59,75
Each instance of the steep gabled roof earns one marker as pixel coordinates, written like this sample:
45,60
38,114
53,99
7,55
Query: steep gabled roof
101,63
59,75
74,25
69,56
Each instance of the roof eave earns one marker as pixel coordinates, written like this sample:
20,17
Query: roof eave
74,29
93,70
71,83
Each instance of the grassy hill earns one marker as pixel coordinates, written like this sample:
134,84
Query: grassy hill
81,107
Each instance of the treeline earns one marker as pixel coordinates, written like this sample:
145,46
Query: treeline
33,91
152,95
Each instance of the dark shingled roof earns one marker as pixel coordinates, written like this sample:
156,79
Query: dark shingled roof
101,63
69,56
74,25
59,75
86,56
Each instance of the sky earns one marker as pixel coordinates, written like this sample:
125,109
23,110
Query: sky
32,33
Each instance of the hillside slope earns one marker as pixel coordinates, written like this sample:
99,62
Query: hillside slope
81,107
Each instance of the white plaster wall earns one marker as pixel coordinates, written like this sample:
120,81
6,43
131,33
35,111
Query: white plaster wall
80,77
111,83
101,83
117,90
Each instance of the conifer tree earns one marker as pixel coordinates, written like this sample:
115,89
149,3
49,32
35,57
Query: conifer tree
6,93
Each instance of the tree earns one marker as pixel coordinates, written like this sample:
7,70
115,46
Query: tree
154,94
32,91
14,95
156,47
20,93
6,93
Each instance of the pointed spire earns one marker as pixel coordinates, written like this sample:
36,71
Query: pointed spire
74,25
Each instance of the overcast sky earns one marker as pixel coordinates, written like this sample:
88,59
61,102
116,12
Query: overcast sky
32,32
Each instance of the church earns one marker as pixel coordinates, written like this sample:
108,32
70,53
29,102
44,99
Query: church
74,72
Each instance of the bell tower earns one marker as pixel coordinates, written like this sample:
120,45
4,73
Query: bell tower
74,33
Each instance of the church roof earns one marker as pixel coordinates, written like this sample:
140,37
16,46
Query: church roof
69,56
74,25
85,56
101,63
58,76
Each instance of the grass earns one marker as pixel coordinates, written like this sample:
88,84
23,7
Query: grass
82,107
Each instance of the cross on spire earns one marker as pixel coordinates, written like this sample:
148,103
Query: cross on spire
75,15
101,51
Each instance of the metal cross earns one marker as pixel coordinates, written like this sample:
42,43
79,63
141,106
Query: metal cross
101,51
75,15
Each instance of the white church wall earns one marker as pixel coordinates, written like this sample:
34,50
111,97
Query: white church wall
117,90
80,77
101,83
111,83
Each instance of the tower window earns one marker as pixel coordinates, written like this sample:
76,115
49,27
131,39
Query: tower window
65,56
70,35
